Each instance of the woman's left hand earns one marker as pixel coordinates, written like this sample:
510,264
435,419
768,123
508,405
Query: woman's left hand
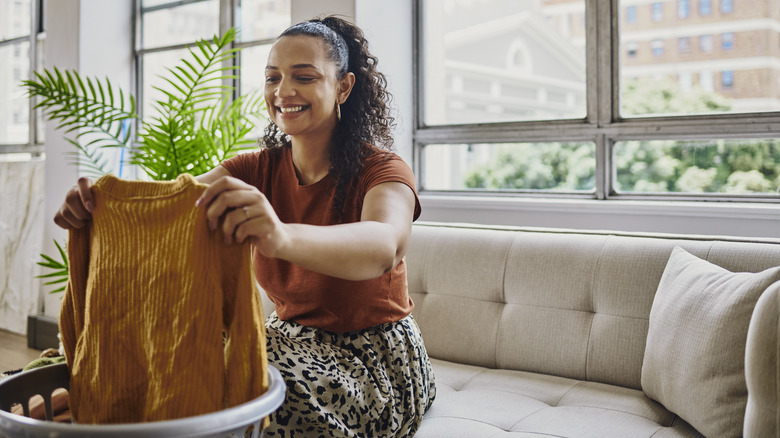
243,212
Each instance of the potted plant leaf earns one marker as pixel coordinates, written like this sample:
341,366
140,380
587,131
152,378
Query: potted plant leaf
198,123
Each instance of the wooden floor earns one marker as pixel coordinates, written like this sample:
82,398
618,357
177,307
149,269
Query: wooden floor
14,353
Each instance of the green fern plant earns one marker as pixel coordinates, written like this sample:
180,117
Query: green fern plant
93,112
197,123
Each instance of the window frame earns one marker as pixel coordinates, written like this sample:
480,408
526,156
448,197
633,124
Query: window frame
657,11
684,45
683,9
227,18
705,8
727,41
657,47
706,43
36,36
727,79
630,14
603,123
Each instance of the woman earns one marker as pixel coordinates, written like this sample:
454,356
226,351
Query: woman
329,217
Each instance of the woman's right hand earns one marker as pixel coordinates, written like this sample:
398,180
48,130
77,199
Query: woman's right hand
76,211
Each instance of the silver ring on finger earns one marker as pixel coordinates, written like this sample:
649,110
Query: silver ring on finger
246,211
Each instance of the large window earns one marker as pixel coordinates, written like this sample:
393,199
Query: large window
21,41
167,29
516,98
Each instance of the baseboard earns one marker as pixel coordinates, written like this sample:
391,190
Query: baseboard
42,332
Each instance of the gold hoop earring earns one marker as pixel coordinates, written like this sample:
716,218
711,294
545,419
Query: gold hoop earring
338,113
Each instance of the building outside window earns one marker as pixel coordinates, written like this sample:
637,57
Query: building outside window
726,6
553,130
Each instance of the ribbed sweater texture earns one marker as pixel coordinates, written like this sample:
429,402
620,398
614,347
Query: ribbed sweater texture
160,319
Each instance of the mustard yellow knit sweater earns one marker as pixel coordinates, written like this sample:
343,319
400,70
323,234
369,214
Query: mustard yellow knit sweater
150,294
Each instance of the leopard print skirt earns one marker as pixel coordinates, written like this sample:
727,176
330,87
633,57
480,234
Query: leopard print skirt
374,383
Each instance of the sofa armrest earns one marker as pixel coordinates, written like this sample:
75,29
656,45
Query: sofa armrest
762,367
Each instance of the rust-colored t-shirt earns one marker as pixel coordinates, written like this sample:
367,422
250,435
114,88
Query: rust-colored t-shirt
307,297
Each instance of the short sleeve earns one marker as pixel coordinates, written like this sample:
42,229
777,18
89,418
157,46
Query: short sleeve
382,168
243,166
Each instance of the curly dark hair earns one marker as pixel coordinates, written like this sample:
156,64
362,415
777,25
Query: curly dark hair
365,118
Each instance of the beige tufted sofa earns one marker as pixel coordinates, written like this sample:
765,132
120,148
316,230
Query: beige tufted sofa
543,333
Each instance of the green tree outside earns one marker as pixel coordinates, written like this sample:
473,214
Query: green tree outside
537,166
697,166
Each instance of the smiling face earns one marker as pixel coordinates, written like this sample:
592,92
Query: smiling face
301,87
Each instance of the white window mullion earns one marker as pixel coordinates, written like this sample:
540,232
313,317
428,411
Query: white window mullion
32,124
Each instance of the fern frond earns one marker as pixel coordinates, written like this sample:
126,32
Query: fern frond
60,268
81,104
231,124
89,158
162,142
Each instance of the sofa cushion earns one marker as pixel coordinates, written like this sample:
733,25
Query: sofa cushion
695,350
473,401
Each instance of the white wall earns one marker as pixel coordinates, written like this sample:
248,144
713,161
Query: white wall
302,10
388,28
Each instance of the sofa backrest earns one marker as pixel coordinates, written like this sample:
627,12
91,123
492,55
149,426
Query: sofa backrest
562,302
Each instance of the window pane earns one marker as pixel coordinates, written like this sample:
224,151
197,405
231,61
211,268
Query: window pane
658,11
705,43
705,7
683,8
261,19
14,18
631,14
727,78
684,44
566,167
502,60
14,112
702,166
181,24
695,50
658,48
253,60
156,65
727,41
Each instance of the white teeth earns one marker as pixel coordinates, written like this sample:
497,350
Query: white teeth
292,109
